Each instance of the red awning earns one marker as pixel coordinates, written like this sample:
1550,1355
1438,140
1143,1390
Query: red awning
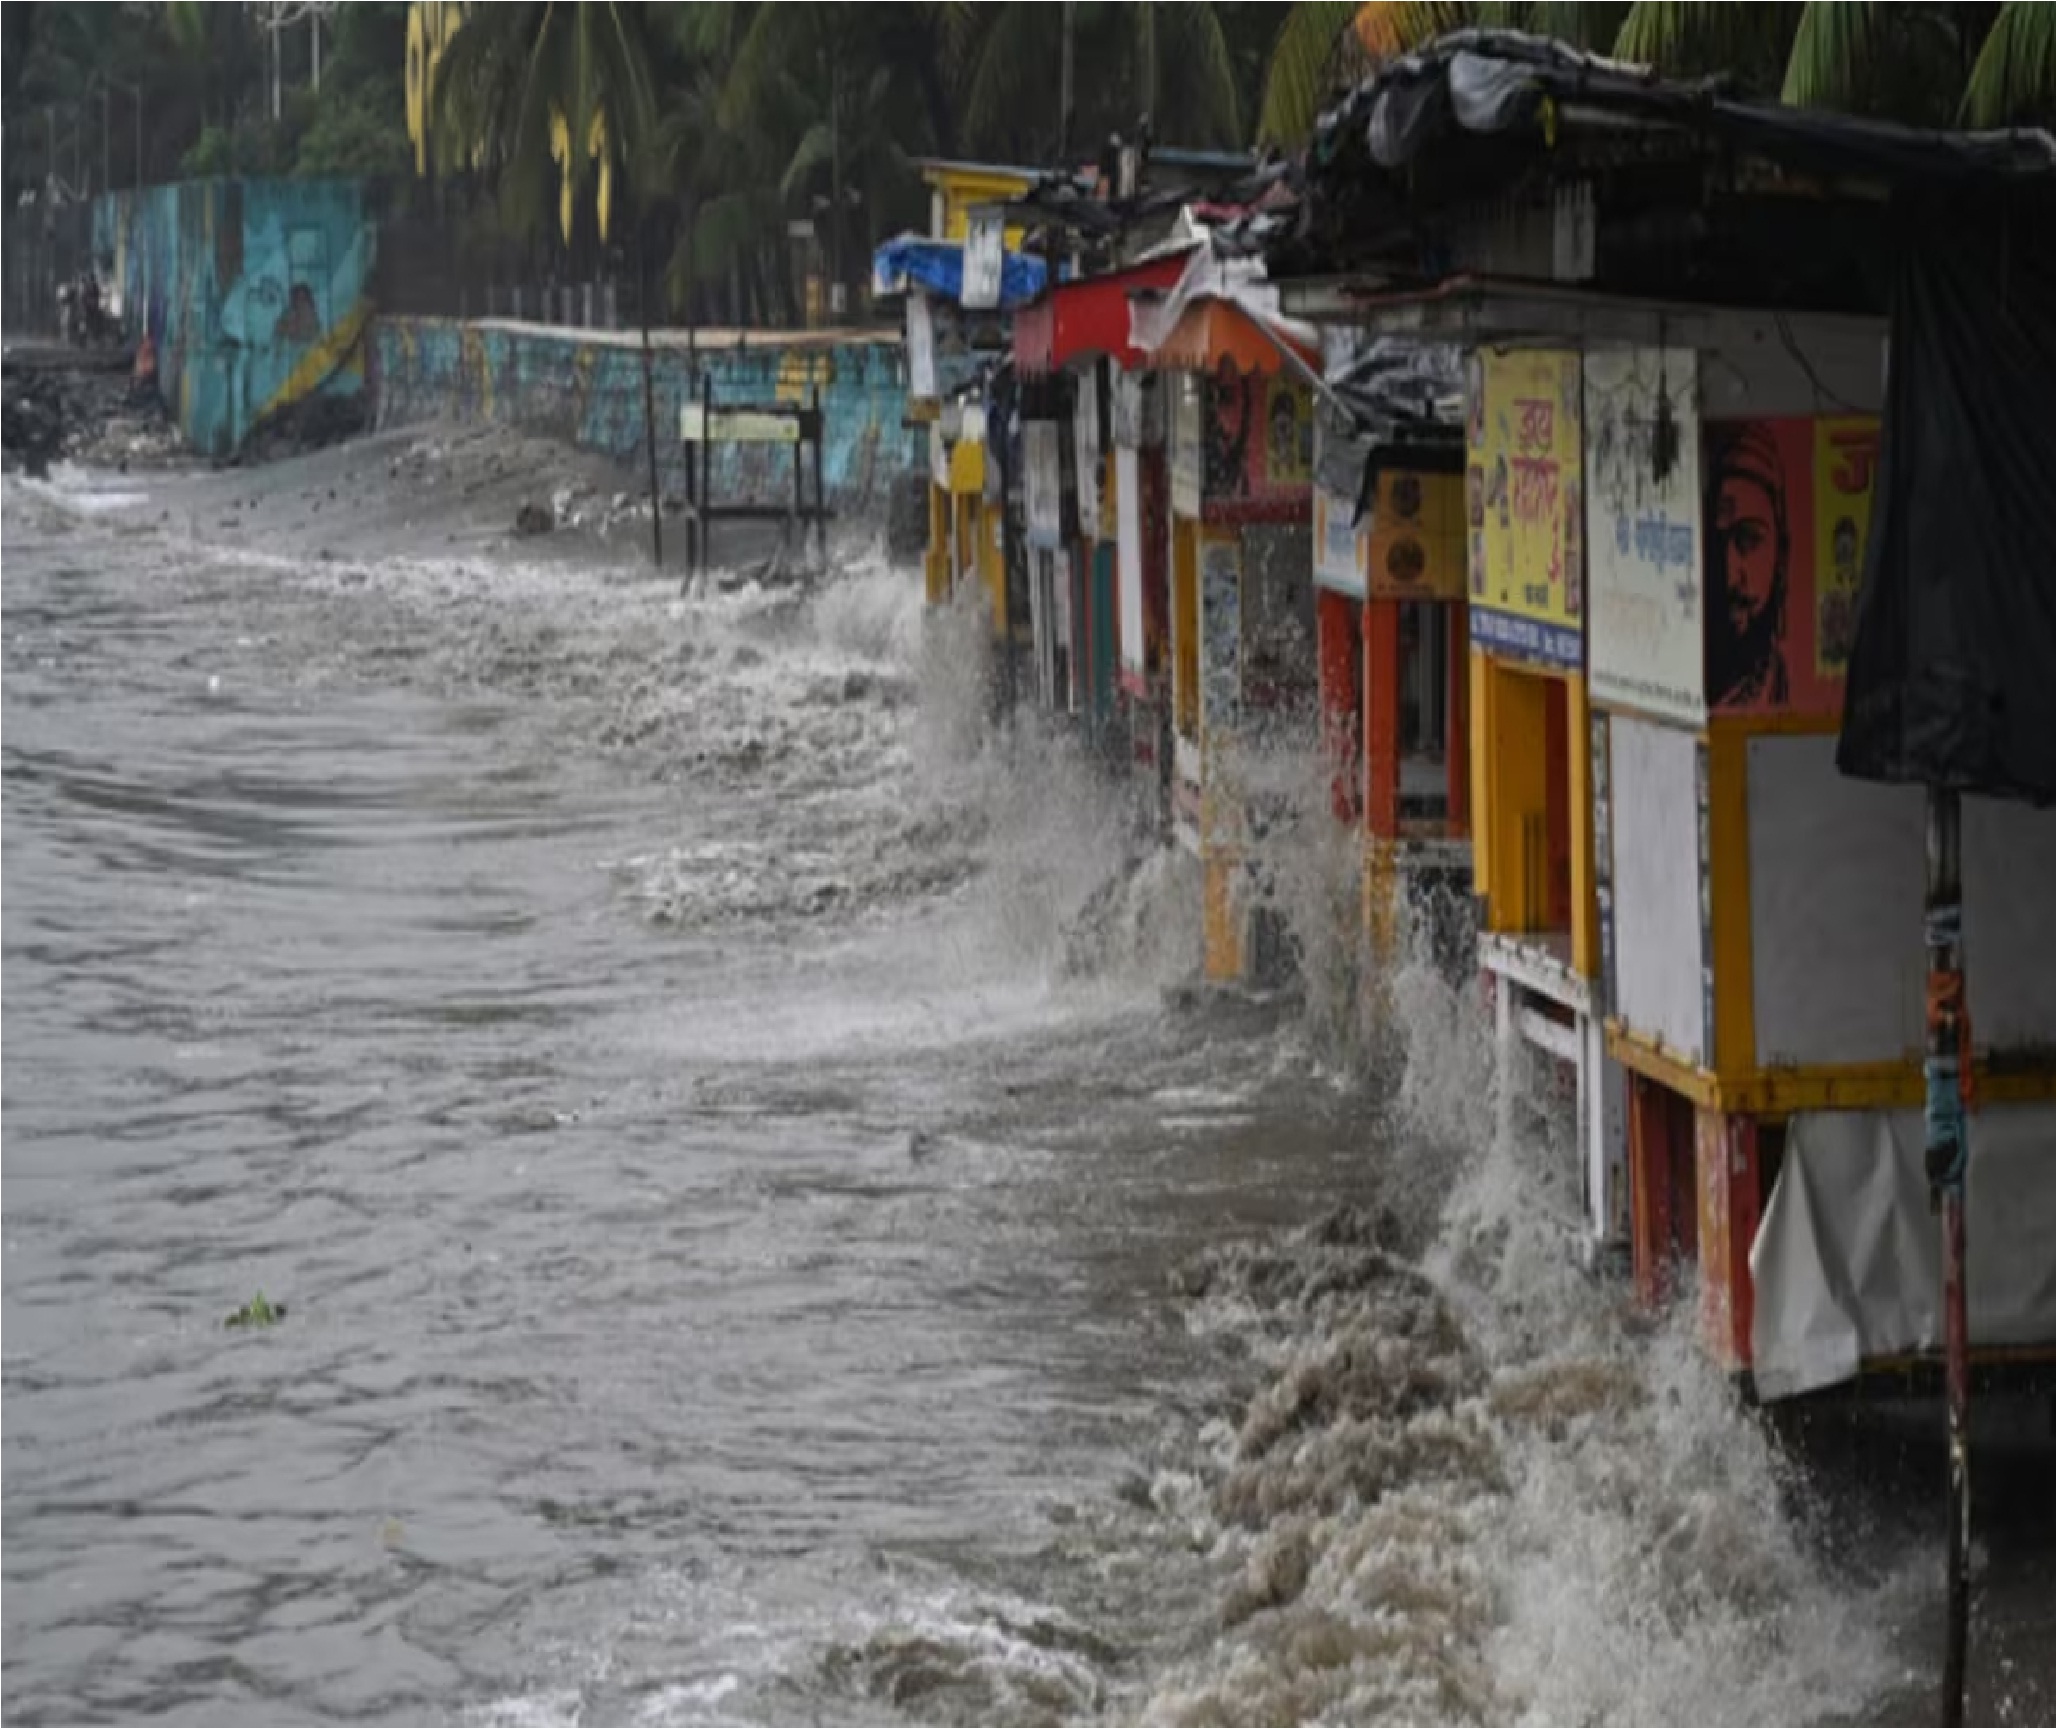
1089,318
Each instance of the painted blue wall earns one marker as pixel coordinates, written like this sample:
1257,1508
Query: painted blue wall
254,292
586,388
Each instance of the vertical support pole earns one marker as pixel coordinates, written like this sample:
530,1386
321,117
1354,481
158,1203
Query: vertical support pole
796,522
820,489
1948,1159
642,248
691,496
706,470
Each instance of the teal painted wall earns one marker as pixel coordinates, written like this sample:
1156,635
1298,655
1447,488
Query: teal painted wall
587,389
254,291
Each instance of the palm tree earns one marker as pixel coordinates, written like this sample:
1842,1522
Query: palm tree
523,88
1172,62
1978,65
832,102
1325,45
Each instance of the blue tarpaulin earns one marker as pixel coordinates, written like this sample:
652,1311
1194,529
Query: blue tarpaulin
938,267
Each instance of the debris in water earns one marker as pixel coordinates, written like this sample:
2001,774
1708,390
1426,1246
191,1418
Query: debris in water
534,519
257,1312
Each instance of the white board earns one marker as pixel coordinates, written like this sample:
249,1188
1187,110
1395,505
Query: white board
1837,873
1340,548
1085,441
1659,948
1837,869
1188,447
1128,571
921,385
1645,612
985,240
1043,483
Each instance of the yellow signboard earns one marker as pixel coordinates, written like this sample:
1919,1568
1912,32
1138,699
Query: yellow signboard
736,426
1844,469
1417,542
1524,504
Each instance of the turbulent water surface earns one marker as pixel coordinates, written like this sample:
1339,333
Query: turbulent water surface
765,1234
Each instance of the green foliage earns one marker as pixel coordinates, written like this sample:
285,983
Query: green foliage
1316,49
2014,79
359,131
512,72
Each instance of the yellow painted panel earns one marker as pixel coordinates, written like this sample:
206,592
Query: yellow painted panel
1224,943
992,556
1518,743
1778,1092
967,467
1734,950
1482,780
969,185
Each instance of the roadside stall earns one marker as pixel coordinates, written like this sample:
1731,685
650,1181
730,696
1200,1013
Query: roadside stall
957,282
1243,671
1072,350
1389,575
1674,491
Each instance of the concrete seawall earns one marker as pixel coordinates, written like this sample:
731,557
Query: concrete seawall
254,292
586,387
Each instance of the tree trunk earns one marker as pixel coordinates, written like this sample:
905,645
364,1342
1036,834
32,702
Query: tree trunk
1064,88
837,274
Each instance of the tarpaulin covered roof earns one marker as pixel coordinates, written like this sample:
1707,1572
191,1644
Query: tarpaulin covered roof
937,267
1484,83
1693,194
1677,190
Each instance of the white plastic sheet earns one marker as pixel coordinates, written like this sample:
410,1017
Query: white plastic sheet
1847,1262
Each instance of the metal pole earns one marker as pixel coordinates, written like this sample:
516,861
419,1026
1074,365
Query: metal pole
820,487
1948,1158
706,470
139,134
642,247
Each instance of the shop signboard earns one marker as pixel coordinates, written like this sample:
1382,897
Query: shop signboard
1523,506
1647,623
1416,544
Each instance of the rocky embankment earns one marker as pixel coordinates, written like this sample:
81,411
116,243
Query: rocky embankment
81,405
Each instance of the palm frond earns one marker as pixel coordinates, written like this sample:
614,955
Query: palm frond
1593,27
1301,72
1693,38
814,148
1014,54
1206,91
2014,79
1833,54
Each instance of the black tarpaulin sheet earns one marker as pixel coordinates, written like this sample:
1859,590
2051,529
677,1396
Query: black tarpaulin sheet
1952,675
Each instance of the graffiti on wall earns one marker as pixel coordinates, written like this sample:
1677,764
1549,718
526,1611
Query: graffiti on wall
254,293
588,390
